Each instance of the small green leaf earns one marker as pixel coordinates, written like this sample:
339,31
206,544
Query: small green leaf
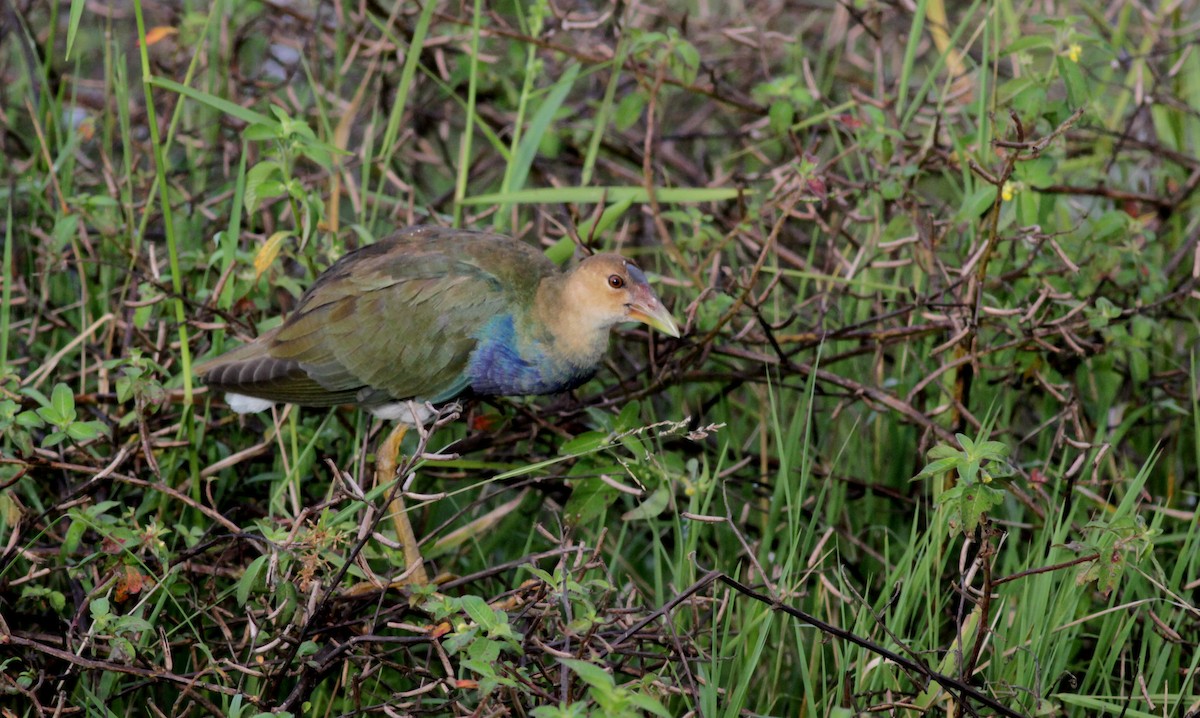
651,507
541,574
249,579
65,228
258,133
1077,86
1029,42
50,415
781,115
591,674
939,467
635,446
480,612
585,443
62,400
686,61
263,180
977,203
458,640
629,110
29,420
308,648
590,498
87,430
54,439
74,537
649,704
132,624
629,416
992,450
221,105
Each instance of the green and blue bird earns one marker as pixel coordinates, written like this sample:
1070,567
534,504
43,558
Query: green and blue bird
431,314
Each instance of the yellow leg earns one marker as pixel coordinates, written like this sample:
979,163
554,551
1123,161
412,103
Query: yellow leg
385,471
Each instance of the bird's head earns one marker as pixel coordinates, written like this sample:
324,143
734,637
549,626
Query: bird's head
607,289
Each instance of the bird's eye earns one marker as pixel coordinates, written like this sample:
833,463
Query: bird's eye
616,281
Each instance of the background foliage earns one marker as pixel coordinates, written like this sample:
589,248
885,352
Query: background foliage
929,442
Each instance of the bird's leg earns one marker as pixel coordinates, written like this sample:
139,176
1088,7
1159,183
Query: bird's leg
385,471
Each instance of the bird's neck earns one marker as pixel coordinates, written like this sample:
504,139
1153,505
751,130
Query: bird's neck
563,314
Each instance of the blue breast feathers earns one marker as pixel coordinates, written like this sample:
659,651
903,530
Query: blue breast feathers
502,364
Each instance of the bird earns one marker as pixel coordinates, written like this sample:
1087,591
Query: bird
430,315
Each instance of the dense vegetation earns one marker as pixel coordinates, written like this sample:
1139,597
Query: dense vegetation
929,442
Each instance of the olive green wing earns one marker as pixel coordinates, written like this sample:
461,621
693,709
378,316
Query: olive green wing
399,336
391,321
400,319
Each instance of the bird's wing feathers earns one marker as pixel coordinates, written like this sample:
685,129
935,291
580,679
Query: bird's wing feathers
251,370
401,317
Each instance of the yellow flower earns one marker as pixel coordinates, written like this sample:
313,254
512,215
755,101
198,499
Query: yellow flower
1074,51
1008,191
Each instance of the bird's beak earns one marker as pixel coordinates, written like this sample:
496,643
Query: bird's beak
647,308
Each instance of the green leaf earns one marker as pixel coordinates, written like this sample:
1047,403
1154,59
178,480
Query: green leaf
480,612
939,467
585,443
651,507
590,498
977,203
8,409
1077,86
233,109
308,648
480,667
1029,42
29,420
74,537
967,504
944,451
591,674
629,417
781,115
992,450
249,579
50,415
87,430
54,439
263,180
1029,100
132,624
544,576
65,228
63,401
636,448
685,62
456,641
1113,223
258,133
649,704
629,110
